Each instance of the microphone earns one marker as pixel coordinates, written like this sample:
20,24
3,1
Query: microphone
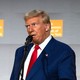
28,40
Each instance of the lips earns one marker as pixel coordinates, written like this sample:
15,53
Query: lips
33,35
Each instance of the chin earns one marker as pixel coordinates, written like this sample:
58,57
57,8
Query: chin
36,41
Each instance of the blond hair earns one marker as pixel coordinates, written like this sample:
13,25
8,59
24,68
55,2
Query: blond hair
38,13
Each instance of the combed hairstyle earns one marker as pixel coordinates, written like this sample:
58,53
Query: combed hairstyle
38,13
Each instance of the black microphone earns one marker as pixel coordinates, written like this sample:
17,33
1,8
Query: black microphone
28,40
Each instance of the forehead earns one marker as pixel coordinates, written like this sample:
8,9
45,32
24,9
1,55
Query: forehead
33,19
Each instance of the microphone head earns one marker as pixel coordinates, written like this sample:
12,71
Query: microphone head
29,38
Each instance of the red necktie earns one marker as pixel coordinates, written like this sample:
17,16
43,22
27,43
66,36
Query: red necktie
33,58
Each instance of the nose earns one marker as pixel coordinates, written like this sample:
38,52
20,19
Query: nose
30,28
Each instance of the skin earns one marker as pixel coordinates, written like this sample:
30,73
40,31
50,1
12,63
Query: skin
39,30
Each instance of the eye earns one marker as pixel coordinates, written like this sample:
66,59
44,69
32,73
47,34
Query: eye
33,24
26,26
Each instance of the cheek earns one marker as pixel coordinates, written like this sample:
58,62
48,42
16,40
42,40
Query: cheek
41,32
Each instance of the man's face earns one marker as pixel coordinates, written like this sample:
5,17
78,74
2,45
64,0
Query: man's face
37,29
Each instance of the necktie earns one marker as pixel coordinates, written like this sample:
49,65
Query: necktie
33,58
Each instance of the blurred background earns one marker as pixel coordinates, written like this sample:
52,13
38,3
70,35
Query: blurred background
14,31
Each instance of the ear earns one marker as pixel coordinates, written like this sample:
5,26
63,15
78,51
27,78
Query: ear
47,26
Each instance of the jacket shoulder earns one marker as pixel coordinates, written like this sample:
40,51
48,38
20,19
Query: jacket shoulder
20,50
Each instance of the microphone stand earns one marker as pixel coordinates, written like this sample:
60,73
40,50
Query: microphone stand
28,40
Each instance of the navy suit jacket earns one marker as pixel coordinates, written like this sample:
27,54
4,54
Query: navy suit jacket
56,62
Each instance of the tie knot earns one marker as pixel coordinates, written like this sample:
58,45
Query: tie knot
37,47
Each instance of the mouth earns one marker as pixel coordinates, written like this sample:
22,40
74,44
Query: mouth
33,35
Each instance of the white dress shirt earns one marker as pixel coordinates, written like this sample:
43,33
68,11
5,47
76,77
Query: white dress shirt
42,46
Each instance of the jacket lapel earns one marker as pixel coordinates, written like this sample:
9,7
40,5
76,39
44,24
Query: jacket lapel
42,61
35,67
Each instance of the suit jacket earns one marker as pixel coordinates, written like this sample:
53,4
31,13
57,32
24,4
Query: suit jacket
56,62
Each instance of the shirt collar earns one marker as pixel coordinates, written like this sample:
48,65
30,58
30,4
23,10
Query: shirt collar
43,44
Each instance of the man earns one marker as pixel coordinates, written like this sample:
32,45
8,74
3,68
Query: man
55,60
